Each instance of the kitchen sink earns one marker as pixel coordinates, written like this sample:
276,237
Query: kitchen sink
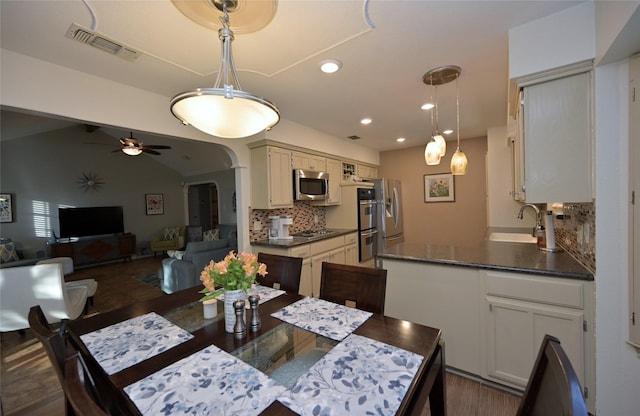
512,238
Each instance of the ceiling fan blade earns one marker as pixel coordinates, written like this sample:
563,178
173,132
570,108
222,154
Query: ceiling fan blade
155,147
147,150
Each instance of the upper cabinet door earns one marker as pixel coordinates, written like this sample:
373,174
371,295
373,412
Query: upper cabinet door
557,140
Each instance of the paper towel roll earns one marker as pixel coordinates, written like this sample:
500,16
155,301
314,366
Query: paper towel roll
550,235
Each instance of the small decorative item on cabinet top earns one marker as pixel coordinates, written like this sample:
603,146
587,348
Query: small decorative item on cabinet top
439,188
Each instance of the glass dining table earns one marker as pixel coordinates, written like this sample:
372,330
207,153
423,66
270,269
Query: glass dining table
162,356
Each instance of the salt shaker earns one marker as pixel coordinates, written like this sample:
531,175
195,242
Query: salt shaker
240,328
255,317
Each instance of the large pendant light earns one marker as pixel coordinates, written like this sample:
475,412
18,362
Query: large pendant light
225,110
459,161
437,144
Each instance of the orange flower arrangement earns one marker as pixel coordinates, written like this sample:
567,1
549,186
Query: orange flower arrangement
233,273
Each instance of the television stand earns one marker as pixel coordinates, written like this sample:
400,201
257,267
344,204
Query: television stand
93,250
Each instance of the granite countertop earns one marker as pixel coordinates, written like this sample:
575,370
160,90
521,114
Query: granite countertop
298,241
510,257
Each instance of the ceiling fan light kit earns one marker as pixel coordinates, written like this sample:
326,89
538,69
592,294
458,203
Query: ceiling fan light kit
134,147
225,110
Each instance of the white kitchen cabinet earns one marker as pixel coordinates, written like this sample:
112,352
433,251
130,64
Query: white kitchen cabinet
308,161
351,249
367,172
271,178
334,169
553,147
520,310
332,250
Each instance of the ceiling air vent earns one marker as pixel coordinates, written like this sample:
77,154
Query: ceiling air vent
84,35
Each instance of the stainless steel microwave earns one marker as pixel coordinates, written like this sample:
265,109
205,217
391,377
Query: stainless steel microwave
310,185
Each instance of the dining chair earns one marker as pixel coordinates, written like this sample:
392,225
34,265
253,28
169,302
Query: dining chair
282,272
360,287
79,388
553,387
53,342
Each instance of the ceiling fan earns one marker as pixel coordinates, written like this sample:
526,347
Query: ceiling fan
134,147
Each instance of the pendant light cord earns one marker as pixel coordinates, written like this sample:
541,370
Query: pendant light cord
458,112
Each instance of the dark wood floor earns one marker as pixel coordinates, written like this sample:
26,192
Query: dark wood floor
29,386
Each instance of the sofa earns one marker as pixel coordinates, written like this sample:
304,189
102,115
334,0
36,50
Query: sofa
11,256
182,270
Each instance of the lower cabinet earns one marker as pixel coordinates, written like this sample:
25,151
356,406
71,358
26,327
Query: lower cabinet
333,250
493,322
520,309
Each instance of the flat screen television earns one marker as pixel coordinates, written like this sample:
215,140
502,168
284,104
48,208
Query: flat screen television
90,221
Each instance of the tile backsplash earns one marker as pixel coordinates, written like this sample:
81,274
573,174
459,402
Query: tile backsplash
576,232
305,217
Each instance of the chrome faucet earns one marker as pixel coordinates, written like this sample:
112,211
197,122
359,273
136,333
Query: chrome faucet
538,230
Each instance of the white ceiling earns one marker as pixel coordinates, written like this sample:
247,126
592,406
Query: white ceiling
385,47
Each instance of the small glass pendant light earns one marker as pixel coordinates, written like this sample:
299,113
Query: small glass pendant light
432,153
459,161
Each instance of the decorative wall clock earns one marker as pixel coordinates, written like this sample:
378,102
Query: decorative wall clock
90,182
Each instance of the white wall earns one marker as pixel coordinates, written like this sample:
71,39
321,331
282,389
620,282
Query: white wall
554,41
502,210
617,365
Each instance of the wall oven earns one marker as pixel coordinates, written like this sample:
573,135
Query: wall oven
310,185
367,232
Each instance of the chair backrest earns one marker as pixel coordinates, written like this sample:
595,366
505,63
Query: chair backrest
553,387
54,342
362,287
43,284
79,388
281,270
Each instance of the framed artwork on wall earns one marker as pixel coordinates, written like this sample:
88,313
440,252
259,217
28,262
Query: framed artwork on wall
6,208
155,204
439,188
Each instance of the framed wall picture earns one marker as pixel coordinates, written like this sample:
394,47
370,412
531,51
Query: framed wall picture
6,208
155,204
439,188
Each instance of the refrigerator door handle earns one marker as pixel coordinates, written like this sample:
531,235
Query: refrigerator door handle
397,237
394,208
368,233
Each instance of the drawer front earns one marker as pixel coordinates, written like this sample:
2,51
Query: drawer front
350,239
326,245
300,251
560,292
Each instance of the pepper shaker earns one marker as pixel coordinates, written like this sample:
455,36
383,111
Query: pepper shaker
240,328
255,316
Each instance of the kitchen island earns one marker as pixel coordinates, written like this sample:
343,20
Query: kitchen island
494,303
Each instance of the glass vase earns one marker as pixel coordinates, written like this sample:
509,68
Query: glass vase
231,296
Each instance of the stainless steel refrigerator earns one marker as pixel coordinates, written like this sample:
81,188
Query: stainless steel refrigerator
389,223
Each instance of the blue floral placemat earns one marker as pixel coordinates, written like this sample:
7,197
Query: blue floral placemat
126,343
359,376
209,382
265,292
322,317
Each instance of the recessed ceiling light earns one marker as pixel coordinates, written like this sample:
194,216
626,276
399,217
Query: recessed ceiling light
449,131
366,121
427,106
400,139
330,66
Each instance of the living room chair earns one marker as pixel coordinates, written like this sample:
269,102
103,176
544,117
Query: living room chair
360,287
283,272
42,284
67,269
172,238
553,387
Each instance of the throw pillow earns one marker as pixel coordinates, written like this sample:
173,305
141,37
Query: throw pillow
175,254
8,253
171,233
211,235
